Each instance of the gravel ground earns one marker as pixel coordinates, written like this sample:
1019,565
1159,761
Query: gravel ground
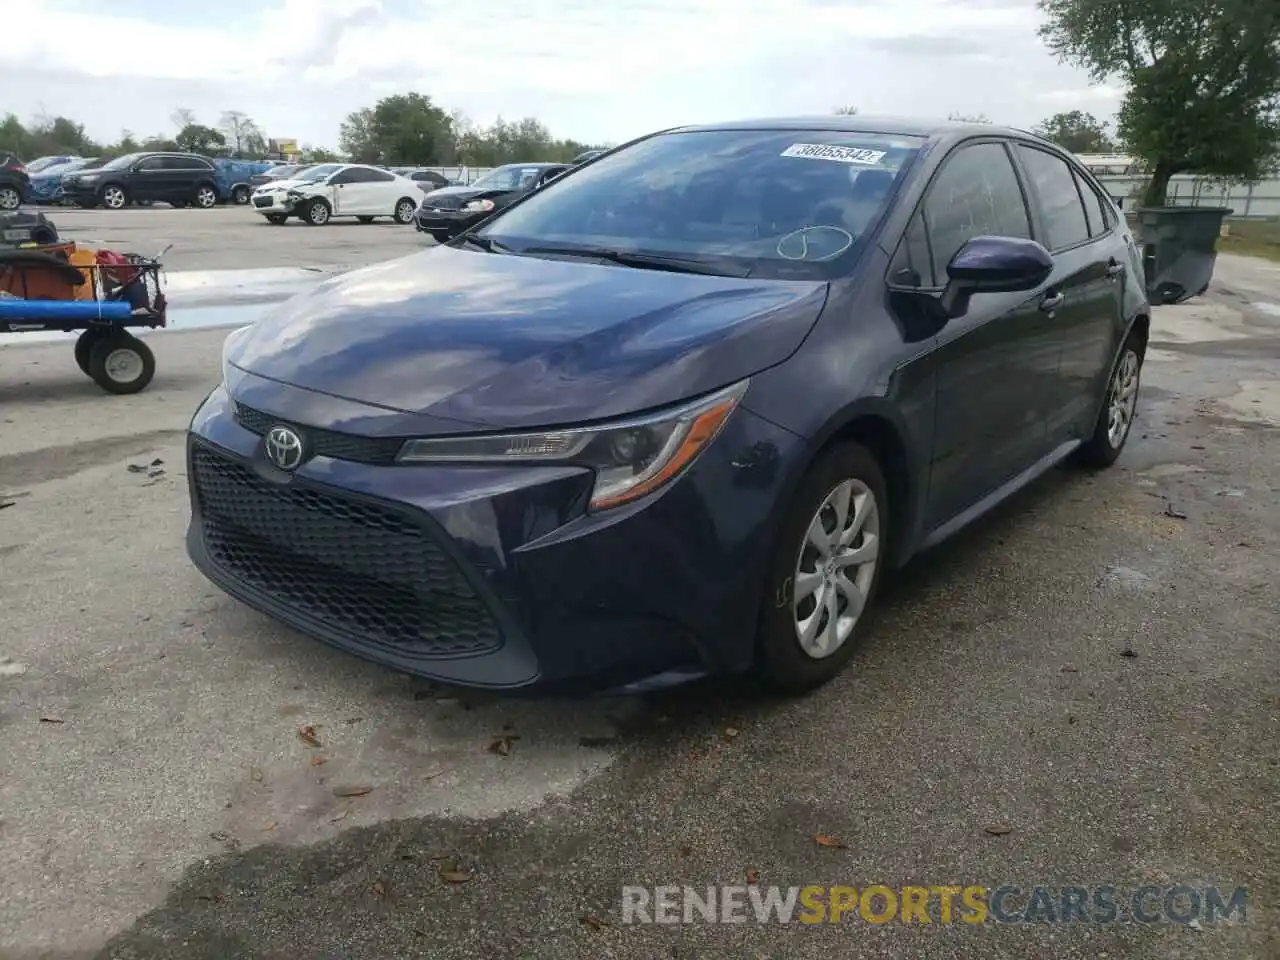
1093,667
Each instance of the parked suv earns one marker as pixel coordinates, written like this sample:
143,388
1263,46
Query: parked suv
15,185
180,179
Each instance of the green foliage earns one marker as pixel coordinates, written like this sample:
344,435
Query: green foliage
1078,132
398,130
197,138
848,110
1203,79
968,118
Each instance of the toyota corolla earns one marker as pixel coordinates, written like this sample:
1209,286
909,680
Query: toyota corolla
677,414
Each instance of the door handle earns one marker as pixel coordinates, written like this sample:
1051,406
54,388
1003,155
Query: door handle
1114,268
1052,301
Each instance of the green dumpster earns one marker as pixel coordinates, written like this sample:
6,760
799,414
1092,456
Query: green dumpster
1179,247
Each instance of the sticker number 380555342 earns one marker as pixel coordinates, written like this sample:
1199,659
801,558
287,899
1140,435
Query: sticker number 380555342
828,151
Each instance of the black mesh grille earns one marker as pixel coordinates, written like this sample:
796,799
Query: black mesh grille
370,572
441,203
325,443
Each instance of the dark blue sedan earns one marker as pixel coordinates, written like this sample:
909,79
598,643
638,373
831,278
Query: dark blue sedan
677,412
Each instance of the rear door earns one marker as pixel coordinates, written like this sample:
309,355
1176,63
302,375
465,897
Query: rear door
379,192
997,366
184,173
1083,275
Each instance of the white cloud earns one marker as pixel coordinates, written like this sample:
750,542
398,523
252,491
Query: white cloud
605,69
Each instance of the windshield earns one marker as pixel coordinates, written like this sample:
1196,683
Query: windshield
71,166
318,172
280,173
783,204
510,177
119,163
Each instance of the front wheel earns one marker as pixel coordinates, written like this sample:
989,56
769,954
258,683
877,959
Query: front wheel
316,213
405,210
120,363
10,198
1119,406
825,571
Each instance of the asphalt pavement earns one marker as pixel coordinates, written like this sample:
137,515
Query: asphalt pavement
1081,689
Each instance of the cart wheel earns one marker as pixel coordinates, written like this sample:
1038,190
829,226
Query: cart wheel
121,363
84,346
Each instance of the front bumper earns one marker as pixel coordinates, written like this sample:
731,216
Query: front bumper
272,203
448,222
485,576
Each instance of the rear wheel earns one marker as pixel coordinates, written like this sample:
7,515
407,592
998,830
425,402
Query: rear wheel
316,213
120,363
1119,407
113,197
405,209
825,572
10,198
206,197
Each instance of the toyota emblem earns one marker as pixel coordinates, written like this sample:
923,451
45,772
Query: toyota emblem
283,448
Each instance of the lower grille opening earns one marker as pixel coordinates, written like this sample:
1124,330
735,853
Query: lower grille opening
367,571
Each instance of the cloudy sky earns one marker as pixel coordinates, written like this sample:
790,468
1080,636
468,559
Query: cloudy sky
595,70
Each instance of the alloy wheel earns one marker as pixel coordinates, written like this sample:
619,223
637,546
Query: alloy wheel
205,197
1122,398
9,198
113,198
835,568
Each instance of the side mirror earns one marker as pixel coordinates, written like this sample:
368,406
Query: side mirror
994,265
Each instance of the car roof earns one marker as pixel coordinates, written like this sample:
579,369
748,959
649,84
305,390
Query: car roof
857,123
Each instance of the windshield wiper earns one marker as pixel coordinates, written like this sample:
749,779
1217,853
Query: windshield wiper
484,243
643,261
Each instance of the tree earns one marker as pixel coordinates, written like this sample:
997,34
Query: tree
968,118
312,154
355,136
1202,78
846,111
182,117
195,138
1077,132
409,128
241,133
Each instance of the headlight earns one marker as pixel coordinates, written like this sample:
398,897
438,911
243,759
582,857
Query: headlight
87,177
631,458
473,206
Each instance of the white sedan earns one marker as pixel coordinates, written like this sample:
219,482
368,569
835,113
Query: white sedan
320,193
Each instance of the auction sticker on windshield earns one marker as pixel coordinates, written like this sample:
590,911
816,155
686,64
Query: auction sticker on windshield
827,151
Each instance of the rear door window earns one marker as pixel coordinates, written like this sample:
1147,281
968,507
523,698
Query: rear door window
1053,186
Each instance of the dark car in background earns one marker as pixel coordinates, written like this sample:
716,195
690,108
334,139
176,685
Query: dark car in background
179,179
585,156
679,413
15,183
284,171
446,212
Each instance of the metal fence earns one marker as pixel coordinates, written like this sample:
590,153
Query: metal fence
1256,201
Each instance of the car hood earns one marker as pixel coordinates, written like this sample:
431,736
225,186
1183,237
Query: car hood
485,340
286,184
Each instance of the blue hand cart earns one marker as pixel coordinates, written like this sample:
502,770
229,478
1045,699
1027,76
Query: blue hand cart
123,295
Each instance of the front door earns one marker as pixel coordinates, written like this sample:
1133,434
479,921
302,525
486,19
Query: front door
997,366
150,180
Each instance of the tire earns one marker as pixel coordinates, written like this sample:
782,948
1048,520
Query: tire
365,219
276,218
113,197
316,213
405,209
240,195
206,197
1116,413
84,346
10,198
120,363
782,663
